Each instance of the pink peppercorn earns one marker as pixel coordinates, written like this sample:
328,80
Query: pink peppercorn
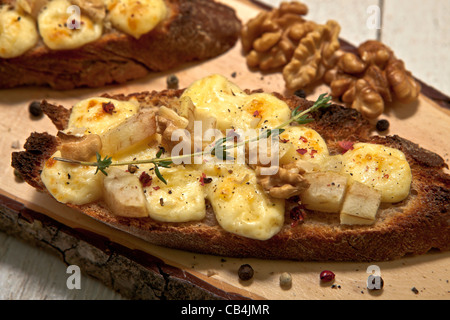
327,276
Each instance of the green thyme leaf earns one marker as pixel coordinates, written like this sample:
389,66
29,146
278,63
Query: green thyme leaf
322,102
304,120
102,164
160,152
165,164
159,175
295,112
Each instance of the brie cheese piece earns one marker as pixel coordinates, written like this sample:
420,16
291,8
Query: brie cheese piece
216,97
383,168
18,33
69,183
136,17
240,203
55,23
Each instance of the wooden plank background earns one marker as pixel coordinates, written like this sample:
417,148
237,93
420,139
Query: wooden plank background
416,30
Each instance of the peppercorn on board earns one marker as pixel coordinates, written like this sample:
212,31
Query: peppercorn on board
425,123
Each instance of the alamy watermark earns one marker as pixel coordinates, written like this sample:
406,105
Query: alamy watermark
74,280
374,281
74,20
374,20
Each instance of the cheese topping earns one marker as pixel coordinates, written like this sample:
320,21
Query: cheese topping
136,17
70,183
302,143
241,205
215,96
181,200
91,114
368,174
382,168
54,20
18,33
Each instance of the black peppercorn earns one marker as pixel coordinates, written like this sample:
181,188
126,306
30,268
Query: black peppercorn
382,125
35,109
245,272
172,82
300,93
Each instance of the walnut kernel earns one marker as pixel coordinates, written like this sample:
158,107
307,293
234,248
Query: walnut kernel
370,79
315,54
269,40
284,184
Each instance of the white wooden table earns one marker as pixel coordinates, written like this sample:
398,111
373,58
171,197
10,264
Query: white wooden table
418,32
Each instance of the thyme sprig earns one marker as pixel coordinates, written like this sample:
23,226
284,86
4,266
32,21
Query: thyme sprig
219,149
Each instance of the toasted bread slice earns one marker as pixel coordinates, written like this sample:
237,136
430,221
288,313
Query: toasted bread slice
192,30
413,226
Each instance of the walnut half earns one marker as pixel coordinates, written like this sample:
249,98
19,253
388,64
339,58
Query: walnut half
371,79
404,86
315,54
269,40
284,184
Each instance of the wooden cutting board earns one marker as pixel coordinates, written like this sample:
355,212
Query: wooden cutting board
184,275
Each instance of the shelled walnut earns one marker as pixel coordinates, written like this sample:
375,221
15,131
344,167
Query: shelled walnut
316,53
371,78
404,86
269,40
282,38
284,184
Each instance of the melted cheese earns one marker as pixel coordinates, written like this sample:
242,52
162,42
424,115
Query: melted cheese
90,114
136,17
240,204
70,183
383,168
181,200
215,96
55,31
302,143
18,33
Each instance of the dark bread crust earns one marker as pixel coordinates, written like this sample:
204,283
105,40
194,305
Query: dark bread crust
38,148
195,30
413,226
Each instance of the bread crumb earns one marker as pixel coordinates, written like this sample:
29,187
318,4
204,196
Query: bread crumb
15,144
211,273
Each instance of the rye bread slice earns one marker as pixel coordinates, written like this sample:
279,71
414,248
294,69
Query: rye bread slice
414,226
195,30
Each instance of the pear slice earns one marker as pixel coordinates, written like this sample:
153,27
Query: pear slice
130,132
326,191
362,202
124,195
